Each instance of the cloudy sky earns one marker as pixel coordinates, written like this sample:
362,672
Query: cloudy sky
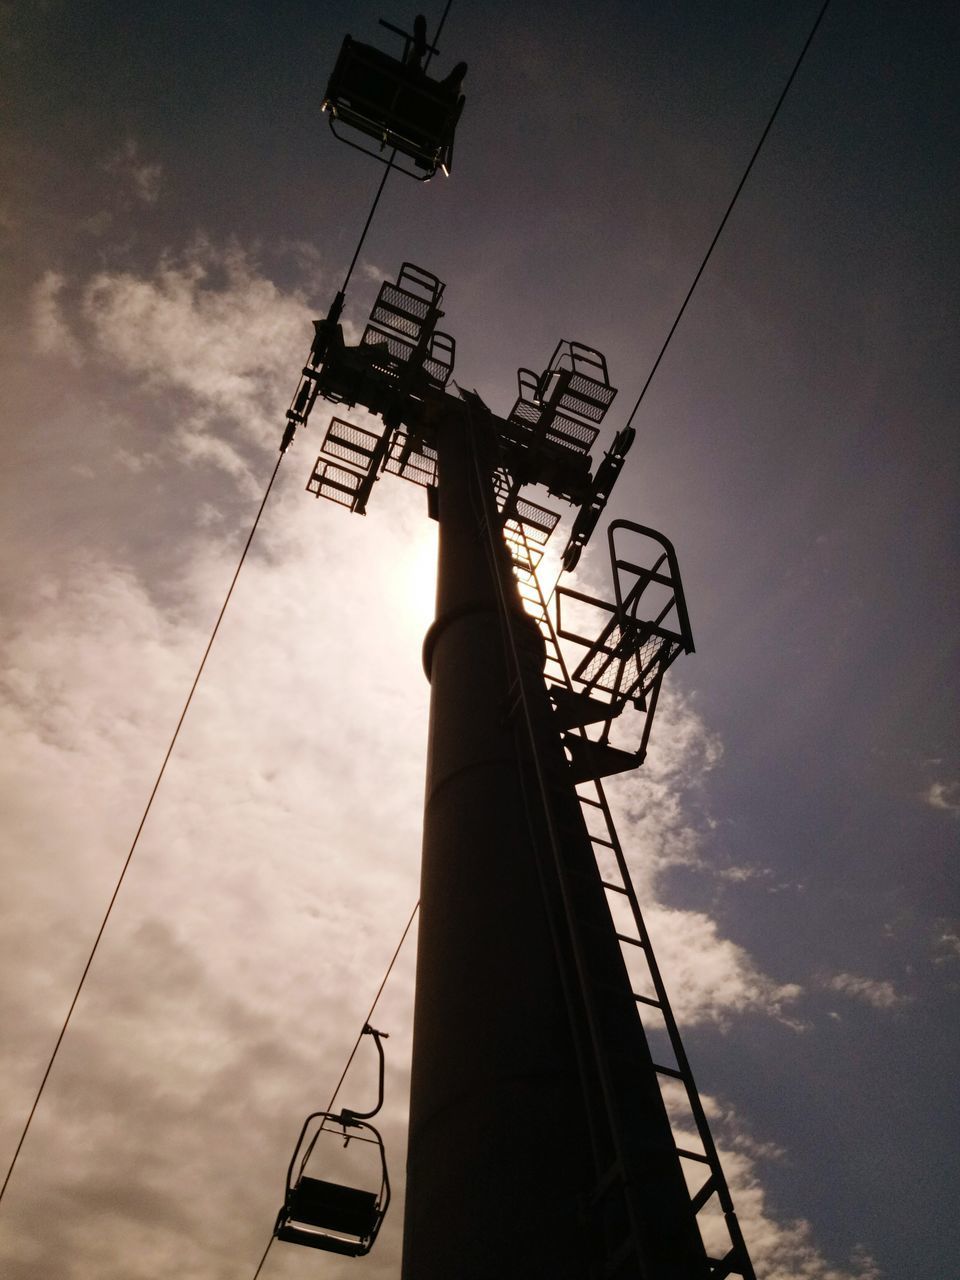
174,212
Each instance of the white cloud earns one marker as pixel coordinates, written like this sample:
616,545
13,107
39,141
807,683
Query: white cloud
740,875
779,1249
270,886
709,978
208,325
784,1250
880,993
659,798
210,338
944,796
280,860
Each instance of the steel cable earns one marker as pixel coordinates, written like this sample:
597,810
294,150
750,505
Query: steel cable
176,732
353,1053
726,216
387,171
129,857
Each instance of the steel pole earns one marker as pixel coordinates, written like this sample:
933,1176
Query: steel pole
498,1154
539,1144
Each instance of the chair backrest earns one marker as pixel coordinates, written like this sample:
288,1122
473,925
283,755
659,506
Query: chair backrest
393,102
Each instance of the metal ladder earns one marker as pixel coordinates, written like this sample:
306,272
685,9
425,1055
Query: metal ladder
709,1193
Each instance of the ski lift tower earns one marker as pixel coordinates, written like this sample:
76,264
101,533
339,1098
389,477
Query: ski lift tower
547,1142
540,1140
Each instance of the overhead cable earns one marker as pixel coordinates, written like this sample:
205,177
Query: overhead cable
353,1053
723,220
387,172
129,857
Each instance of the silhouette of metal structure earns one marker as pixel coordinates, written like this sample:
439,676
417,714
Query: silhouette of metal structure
393,102
555,1126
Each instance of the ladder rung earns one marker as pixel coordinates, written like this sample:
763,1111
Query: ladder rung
704,1194
594,804
634,942
672,1072
615,887
614,1262
607,844
693,1155
609,1180
720,1268
654,1004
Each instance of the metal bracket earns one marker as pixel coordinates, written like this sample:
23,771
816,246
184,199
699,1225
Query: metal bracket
640,633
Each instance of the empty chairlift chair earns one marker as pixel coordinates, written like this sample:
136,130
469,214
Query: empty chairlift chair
328,1215
394,102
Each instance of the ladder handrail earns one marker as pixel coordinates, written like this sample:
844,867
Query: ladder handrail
685,1073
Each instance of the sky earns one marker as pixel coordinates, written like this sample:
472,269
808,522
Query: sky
174,213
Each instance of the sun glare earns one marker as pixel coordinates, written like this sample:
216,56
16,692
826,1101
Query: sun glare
419,577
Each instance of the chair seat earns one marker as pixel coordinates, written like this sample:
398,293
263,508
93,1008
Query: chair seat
319,1240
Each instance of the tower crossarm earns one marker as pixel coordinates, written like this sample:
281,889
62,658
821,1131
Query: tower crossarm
399,371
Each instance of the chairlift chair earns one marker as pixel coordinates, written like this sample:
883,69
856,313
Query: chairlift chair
327,1215
394,102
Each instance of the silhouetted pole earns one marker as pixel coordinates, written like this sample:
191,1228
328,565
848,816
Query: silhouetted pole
504,1155
492,1178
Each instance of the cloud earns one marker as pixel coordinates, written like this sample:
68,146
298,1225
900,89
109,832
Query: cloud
740,875
947,944
944,796
270,886
779,1249
213,342
662,821
140,178
206,324
881,994
280,860
662,801
709,978
50,330
784,1250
